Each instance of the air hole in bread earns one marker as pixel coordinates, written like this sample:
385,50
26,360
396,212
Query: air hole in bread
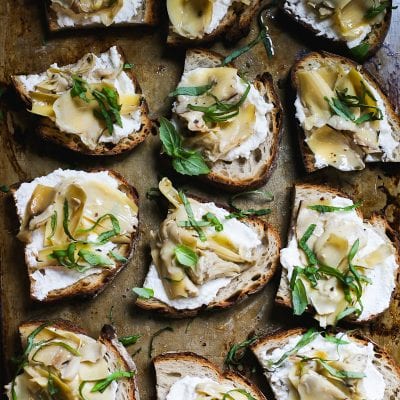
234,297
174,374
257,155
256,277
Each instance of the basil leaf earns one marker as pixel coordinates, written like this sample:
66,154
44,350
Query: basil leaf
107,101
213,221
190,164
65,346
102,384
169,137
129,340
299,297
187,224
340,109
239,213
311,257
118,257
360,52
159,332
325,209
51,387
348,311
191,91
53,225
335,340
186,256
377,9
143,293
264,193
79,88
236,352
248,213
227,395
4,189
191,218
94,258
128,66
340,374
66,219
307,338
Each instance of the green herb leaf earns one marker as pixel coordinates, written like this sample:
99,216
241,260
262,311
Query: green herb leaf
4,189
66,220
94,258
251,212
159,332
311,257
109,109
79,88
299,297
144,293
340,109
51,387
169,137
360,52
348,311
128,66
236,352
186,256
63,345
191,218
335,340
53,225
213,221
307,338
129,340
191,91
118,256
264,194
102,384
240,213
325,209
227,396
377,9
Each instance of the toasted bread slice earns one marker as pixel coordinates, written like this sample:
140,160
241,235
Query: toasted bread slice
147,14
254,171
315,193
116,356
233,26
171,367
250,281
382,361
318,58
298,11
86,284
48,130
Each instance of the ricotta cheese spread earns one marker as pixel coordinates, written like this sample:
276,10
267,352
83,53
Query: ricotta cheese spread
375,252
45,280
67,18
102,67
357,357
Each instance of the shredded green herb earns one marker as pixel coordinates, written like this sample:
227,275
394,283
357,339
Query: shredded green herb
325,209
129,340
236,353
378,8
144,293
186,256
191,90
158,333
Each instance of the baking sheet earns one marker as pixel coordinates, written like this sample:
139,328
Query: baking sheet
26,47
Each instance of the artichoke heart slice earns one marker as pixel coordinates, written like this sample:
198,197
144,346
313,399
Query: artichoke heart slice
335,149
190,18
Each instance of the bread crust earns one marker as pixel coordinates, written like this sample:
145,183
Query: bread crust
283,297
382,361
222,174
375,39
149,15
270,234
194,359
47,129
108,337
91,285
393,118
235,25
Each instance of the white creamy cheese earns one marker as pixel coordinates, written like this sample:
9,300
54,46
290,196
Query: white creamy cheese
126,14
323,27
373,384
53,278
220,9
377,295
109,60
185,388
241,236
262,117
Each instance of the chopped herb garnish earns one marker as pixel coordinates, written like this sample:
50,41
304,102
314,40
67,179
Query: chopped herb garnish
79,88
129,340
143,293
53,225
128,66
213,221
186,256
334,339
235,354
65,346
191,91
51,387
361,51
348,311
325,209
94,258
4,189
184,161
118,256
378,8
191,217
299,297
311,257
159,332
228,396
240,213
66,220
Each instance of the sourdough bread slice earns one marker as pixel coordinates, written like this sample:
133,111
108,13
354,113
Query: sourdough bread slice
116,355
298,11
382,361
48,130
250,281
252,172
233,26
90,284
147,14
307,192
171,367
314,59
